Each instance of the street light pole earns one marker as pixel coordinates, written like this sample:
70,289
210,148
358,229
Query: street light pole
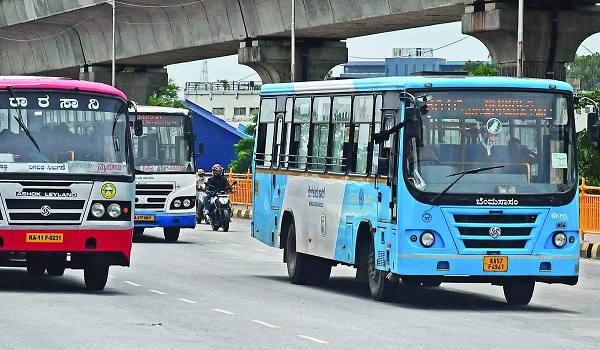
293,43
520,39
113,43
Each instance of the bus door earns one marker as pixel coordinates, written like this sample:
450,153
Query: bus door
389,154
279,162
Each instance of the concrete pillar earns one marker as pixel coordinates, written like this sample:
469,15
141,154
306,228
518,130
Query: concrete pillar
271,58
136,82
550,34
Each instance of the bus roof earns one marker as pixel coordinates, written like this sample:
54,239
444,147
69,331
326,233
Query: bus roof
410,82
159,110
34,82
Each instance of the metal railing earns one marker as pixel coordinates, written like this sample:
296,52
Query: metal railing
243,188
589,209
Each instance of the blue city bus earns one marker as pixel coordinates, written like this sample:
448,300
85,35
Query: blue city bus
165,177
420,179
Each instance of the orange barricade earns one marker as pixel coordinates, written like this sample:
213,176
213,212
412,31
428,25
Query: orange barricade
589,209
243,188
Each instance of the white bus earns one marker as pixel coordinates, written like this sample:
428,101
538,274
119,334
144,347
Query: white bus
165,190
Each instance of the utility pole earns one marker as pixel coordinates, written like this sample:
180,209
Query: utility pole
293,43
520,39
113,42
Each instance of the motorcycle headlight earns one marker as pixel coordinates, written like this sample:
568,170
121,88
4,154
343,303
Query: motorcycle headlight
177,203
114,210
223,200
187,203
97,210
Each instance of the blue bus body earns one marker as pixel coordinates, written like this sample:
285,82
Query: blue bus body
499,226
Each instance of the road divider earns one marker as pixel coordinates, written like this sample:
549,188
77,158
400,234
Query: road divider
590,250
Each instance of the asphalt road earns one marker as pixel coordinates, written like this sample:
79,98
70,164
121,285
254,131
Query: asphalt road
216,290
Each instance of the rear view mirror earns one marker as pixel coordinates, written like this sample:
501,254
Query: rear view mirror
593,130
200,148
383,166
138,128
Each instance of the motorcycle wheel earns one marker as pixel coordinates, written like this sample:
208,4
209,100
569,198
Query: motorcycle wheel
225,215
214,223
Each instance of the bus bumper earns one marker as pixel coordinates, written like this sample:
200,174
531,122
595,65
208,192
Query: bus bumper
105,246
470,268
162,219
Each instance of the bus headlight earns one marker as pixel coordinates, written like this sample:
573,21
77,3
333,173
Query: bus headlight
559,239
427,239
114,210
177,203
187,203
97,210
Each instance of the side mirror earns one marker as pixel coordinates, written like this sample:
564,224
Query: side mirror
138,128
383,166
200,148
413,128
593,130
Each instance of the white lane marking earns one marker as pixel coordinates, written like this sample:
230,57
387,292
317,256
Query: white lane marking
196,237
260,250
157,292
111,276
313,339
133,284
188,301
212,240
572,315
236,245
224,311
265,324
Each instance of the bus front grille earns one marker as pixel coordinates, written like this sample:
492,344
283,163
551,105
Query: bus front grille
30,211
152,196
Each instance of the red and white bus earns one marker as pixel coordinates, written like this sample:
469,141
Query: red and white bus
66,177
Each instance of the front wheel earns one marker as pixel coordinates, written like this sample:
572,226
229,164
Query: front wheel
171,234
95,277
225,215
519,292
381,288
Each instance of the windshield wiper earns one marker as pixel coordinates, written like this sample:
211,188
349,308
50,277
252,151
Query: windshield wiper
463,173
20,118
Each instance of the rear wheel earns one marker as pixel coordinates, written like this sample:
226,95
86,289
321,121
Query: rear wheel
381,288
138,230
519,292
171,234
95,277
297,263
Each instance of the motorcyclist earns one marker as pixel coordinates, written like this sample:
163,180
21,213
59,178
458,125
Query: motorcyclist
215,184
200,180
200,184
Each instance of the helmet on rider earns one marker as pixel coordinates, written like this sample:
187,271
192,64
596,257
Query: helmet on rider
200,173
217,170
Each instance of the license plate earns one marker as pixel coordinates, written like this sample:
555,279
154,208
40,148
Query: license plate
143,217
495,263
44,238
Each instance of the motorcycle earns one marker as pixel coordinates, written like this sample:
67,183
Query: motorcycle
222,210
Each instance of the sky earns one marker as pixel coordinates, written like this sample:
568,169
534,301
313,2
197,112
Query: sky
443,38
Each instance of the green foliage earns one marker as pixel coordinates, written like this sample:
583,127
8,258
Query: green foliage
166,96
587,68
588,156
244,150
479,68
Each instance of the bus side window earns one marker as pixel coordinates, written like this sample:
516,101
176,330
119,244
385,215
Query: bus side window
300,128
266,130
376,129
340,153
362,117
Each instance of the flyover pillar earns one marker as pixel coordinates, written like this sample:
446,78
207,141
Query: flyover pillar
271,59
551,35
136,82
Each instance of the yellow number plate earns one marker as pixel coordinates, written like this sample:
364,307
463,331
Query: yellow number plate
143,217
44,238
495,263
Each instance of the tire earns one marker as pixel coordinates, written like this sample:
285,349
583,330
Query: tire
226,215
36,264
519,292
381,288
56,265
55,270
319,272
297,263
171,233
95,277
138,231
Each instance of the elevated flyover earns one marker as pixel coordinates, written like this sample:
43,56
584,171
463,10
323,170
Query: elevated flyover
74,37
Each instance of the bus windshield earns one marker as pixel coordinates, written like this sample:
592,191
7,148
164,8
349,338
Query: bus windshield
165,146
529,135
60,132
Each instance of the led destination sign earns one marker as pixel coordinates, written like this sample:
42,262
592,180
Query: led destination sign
160,120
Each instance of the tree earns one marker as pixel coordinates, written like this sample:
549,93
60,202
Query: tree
587,68
166,96
244,149
588,157
479,68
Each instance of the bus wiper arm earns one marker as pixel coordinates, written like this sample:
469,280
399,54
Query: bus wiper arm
20,119
463,173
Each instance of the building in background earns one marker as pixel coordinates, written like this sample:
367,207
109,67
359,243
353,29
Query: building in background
216,136
233,102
